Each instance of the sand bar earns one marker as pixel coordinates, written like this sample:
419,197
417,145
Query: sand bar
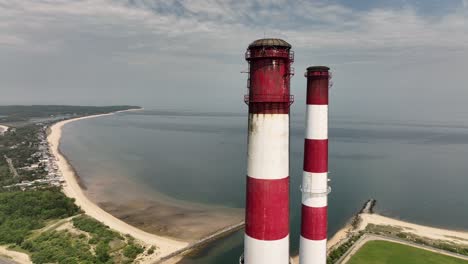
72,189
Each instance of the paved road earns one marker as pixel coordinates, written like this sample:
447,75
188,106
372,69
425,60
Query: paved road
6,261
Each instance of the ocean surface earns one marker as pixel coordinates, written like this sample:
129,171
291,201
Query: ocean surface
417,171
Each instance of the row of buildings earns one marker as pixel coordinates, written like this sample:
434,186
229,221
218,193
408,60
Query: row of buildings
45,162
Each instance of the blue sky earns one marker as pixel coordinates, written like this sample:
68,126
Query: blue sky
398,59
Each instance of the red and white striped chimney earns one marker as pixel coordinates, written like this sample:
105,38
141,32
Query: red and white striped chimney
266,238
313,241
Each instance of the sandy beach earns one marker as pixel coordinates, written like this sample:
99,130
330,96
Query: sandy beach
459,237
120,193
72,189
455,236
339,236
3,128
18,257
434,233
371,237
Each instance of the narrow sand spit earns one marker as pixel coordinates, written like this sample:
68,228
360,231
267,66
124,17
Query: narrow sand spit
459,237
72,189
16,256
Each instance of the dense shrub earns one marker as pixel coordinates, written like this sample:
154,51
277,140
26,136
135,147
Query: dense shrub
102,252
341,250
22,212
151,250
59,247
132,250
99,231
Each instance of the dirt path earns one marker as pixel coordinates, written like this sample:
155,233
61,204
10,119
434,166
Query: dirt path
11,166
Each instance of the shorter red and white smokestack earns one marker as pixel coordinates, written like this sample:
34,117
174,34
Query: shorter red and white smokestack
313,241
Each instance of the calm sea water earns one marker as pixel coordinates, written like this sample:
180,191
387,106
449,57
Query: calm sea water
416,171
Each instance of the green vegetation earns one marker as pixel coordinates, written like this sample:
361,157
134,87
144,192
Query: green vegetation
23,159
452,248
59,247
383,252
23,212
336,254
132,250
396,232
151,250
5,175
20,145
24,144
88,242
100,233
109,246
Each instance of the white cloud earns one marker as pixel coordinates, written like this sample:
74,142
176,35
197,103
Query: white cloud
6,40
122,43
232,24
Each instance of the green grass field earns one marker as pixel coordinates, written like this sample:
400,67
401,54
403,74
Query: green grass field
384,252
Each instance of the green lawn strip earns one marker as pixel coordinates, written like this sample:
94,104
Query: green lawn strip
384,252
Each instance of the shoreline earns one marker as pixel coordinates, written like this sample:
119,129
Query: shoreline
3,128
436,233
176,256
75,173
372,237
167,246
17,257
366,217
72,189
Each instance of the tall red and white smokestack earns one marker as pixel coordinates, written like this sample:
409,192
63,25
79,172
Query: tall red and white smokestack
313,241
267,199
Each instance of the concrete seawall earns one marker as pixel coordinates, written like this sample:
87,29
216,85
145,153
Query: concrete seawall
201,242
